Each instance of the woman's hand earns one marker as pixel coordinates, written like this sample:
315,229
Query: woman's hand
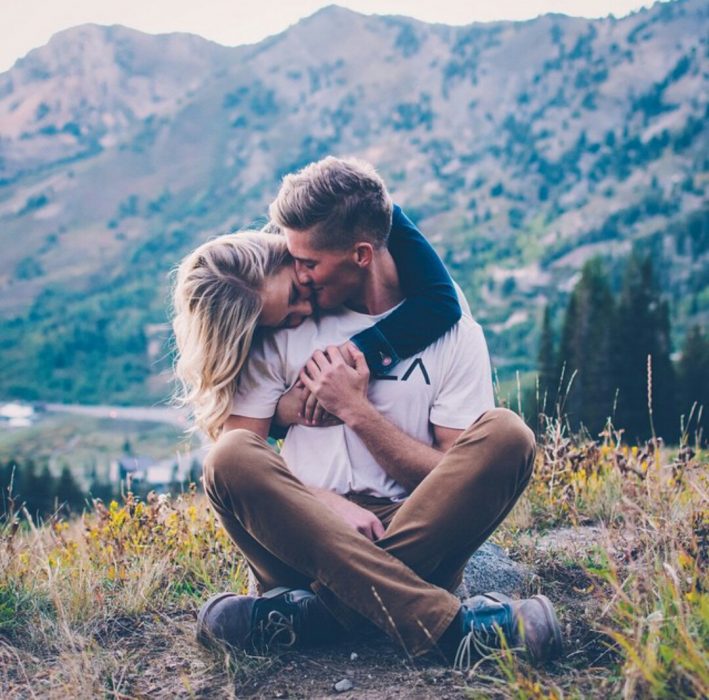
312,411
299,407
338,379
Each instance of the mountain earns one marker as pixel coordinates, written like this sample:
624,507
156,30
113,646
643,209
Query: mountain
520,148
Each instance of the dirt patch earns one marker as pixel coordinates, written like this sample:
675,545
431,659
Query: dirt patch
155,655
373,669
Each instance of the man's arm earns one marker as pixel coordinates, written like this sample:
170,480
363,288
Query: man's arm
342,390
402,457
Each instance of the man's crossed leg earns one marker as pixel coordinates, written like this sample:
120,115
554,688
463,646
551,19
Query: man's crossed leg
402,583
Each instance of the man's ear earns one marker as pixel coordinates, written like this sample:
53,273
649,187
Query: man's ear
363,253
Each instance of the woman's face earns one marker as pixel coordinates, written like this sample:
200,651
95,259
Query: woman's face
286,302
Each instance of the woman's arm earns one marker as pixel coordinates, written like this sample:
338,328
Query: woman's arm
430,309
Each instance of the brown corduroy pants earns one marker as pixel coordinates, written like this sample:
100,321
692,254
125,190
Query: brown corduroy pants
403,582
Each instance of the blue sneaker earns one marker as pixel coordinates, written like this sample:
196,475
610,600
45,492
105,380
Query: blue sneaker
492,620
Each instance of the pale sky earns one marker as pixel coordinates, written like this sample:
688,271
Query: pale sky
27,24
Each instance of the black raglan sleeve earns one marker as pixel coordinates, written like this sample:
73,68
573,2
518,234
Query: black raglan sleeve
431,307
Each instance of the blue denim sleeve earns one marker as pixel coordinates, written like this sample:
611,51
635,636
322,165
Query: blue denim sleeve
431,307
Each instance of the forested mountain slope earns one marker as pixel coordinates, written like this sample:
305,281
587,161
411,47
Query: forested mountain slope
520,148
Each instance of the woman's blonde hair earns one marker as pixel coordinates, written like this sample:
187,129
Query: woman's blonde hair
216,306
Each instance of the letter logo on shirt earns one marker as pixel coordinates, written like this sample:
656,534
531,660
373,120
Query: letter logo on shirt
418,362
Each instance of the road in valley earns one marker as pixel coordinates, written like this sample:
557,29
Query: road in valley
154,414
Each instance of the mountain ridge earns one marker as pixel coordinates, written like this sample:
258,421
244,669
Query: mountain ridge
521,148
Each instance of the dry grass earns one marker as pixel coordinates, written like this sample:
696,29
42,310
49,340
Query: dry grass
104,606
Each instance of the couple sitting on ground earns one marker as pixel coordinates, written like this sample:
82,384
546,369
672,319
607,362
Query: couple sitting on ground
343,326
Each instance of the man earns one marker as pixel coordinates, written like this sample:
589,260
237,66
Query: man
377,516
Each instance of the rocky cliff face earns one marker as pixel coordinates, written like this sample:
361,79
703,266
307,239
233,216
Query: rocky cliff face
520,148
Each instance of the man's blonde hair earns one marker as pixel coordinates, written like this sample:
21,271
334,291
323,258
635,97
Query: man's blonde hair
216,306
338,201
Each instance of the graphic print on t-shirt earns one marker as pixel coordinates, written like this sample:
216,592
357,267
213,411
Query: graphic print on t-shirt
416,364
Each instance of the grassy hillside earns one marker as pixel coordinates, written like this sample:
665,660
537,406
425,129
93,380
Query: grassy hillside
105,605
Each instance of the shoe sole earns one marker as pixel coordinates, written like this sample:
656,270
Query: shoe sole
278,592
497,597
556,647
203,635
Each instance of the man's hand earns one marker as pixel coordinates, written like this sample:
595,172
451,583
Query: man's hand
336,385
299,407
357,517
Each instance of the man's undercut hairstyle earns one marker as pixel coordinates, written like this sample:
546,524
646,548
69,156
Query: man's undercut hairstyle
338,201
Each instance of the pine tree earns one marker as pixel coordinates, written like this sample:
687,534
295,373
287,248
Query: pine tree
693,384
36,491
68,494
586,350
642,330
195,472
546,365
101,490
7,478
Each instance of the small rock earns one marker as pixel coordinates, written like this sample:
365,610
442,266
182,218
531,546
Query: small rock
344,685
354,656
490,569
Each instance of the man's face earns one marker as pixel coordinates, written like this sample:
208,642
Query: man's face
333,275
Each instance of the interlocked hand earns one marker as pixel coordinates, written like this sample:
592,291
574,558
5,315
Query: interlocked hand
337,378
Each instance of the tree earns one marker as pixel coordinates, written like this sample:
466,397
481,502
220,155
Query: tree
642,331
546,365
693,384
35,490
68,495
7,479
585,349
101,490
195,472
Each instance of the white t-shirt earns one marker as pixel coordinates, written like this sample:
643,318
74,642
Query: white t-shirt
448,384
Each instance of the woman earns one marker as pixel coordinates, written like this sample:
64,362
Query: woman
234,284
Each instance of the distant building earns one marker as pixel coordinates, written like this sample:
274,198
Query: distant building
17,415
144,471
129,468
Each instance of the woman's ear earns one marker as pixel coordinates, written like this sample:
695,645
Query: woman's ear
363,253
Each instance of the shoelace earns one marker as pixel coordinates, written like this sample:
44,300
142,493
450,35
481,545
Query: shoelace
275,624
480,641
